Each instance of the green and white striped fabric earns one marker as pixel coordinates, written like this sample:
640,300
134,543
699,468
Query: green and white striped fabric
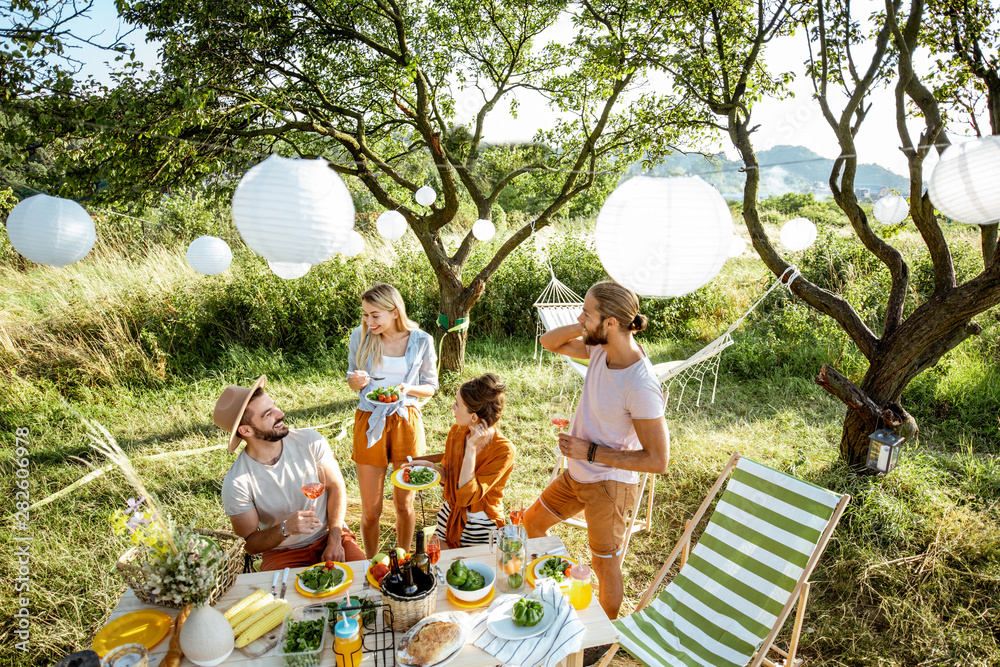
721,606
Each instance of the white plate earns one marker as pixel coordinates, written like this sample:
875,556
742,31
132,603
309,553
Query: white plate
501,625
538,568
464,622
397,479
313,591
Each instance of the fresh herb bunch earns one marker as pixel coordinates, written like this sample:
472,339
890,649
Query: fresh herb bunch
303,637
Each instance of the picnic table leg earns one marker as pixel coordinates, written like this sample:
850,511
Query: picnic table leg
573,660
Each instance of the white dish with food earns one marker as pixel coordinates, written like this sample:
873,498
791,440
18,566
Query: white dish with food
500,623
489,576
434,641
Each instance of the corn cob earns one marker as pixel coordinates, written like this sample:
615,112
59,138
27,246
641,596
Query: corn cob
275,614
246,602
247,611
255,616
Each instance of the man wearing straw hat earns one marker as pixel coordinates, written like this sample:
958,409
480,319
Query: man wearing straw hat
262,492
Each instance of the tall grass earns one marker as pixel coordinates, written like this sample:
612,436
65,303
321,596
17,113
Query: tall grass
132,338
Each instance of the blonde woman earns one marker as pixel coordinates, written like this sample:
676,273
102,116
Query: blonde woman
388,350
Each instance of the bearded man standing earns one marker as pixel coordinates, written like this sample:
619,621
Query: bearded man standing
262,492
618,431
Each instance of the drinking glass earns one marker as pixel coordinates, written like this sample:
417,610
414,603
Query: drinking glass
559,416
313,488
433,548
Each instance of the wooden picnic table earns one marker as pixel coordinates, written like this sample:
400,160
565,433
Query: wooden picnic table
599,629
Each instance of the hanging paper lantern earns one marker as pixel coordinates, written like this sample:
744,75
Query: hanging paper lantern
737,246
391,225
891,210
483,230
425,196
664,237
293,211
964,185
354,245
209,255
288,270
798,234
51,230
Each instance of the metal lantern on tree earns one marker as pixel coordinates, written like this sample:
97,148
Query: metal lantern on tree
288,270
891,210
664,237
483,229
425,196
798,234
883,450
293,211
964,185
51,230
209,255
391,225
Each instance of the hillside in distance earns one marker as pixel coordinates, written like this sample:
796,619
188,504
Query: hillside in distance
783,169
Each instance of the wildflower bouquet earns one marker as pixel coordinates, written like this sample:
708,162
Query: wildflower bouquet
180,566
170,564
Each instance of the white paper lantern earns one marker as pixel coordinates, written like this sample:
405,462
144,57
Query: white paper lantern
391,225
209,255
965,185
354,245
664,237
51,230
293,211
891,210
288,270
737,246
483,230
798,234
425,196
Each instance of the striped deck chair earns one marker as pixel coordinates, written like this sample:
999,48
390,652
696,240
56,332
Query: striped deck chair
731,597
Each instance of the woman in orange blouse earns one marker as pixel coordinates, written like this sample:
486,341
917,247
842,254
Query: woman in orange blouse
475,466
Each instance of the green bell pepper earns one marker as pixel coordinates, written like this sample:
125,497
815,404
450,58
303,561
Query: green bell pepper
527,613
457,573
473,582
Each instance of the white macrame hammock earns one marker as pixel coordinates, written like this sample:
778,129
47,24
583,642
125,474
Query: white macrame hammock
558,306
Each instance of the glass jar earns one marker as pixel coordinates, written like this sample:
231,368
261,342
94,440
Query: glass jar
510,543
347,642
581,592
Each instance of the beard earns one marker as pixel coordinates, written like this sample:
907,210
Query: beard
594,337
271,435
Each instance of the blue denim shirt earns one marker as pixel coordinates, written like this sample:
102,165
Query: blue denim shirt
421,368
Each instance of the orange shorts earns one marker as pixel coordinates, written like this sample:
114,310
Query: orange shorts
605,506
279,559
400,438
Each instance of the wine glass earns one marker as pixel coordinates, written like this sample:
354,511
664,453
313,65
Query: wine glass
559,416
313,488
433,548
516,511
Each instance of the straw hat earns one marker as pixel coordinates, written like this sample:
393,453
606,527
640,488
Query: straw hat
230,407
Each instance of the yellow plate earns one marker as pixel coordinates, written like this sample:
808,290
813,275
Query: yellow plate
345,582
371,579
529,574
397,480
472,605
146,626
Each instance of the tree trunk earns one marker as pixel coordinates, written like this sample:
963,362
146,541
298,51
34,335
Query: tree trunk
456,304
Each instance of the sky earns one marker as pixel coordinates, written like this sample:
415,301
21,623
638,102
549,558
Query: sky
796,120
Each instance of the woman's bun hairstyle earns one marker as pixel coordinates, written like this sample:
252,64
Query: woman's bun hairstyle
484,396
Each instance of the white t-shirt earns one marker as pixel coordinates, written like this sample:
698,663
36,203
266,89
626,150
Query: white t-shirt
611,399
393,369
276,490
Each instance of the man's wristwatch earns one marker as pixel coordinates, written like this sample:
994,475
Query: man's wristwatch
284,533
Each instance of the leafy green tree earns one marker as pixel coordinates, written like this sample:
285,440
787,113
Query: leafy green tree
373,88
914,334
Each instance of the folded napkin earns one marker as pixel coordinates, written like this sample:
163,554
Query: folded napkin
564,637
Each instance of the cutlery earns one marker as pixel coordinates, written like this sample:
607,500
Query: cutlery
274,583
284,583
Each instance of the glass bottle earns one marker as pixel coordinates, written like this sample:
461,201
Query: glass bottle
580,590
420,559
409,585
347,642
393,581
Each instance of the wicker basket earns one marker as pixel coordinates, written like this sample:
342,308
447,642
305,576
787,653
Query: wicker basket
130,568
406,611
